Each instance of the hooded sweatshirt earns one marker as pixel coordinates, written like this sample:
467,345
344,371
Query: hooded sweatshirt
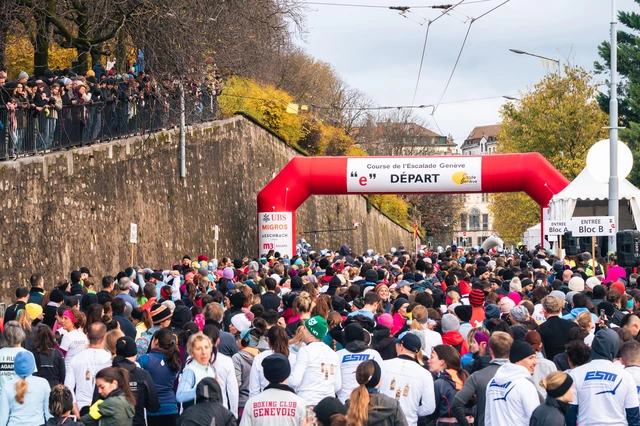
384,411
455,339
354,353
242,362
447,385
511,391
605,392
316,373
209,408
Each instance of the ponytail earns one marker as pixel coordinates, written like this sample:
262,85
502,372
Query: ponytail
358,414
167,342
278,340
113,374
213,333
21,390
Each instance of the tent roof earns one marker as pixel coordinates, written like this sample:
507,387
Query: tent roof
586,187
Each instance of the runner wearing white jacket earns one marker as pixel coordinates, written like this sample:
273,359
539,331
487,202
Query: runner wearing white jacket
278,343
355,352
407,381
511,395
316,373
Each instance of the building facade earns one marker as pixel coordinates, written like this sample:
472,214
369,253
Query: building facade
476,221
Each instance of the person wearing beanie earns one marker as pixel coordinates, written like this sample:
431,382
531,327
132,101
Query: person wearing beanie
161,317
482,273
506,304
518,315
399,314
591,283
515,285
451,334
240,323
406,381
464,312
276,369
316,373
25,399
371,302
141,383
476,300
491,311
511,397
23,77
327,409
355,351
605,393
576,284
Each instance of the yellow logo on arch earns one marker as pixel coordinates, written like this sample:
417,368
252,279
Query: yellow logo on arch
460,178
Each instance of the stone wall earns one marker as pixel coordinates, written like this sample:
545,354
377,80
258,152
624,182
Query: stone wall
73,208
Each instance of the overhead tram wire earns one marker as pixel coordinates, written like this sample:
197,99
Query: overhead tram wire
371,6
424,47
464,42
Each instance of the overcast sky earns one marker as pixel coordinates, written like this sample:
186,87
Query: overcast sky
378,52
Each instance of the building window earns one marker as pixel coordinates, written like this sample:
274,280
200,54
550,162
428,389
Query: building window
485,198
474,220
485,222
463,222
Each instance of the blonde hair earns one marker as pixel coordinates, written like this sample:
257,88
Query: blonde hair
302,303
21,390
551,304
195,338
472,333
24,320
419,312
553,380
583,320
111,339
254,299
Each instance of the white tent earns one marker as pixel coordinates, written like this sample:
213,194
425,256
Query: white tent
531,237
586,196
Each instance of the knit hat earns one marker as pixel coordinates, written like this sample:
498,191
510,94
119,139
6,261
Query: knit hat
480,337
228,273
515,285
464,312
506,304
353,332
476,297
317,326
237,300
592,282
399,302
481,270
126,347
559,294
386,320
449,323
576,284
371,276
24,364
276,368
338,304
242,322
519,313
160,313
492,311
327,408
519,351
33,310
22,75
57,296
616,286
558,266
203,257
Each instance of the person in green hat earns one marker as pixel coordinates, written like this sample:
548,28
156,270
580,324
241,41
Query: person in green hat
316,373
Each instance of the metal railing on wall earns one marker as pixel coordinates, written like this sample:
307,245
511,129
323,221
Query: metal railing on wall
25,132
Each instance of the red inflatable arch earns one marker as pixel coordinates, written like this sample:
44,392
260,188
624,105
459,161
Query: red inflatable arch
306,176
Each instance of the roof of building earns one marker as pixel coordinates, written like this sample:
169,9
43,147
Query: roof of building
406,130
481,131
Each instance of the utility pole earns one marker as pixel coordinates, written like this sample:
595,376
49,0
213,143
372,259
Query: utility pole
613,128
183,136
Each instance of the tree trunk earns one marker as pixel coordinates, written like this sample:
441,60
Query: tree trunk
41,47
83,59
96,57
121,52
4,30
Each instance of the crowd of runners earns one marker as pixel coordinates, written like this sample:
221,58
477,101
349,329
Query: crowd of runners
450,337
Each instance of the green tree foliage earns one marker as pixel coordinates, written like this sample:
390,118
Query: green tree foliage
558,118
629,86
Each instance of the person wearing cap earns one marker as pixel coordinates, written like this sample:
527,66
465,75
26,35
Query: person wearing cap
278,403
554,332
141,383
407,381
25,399
511,397
476,384
81,373
161,317
559,390
316,373
355,352
605,392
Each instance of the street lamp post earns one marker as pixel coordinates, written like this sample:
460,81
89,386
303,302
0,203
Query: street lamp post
522,52
613,128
